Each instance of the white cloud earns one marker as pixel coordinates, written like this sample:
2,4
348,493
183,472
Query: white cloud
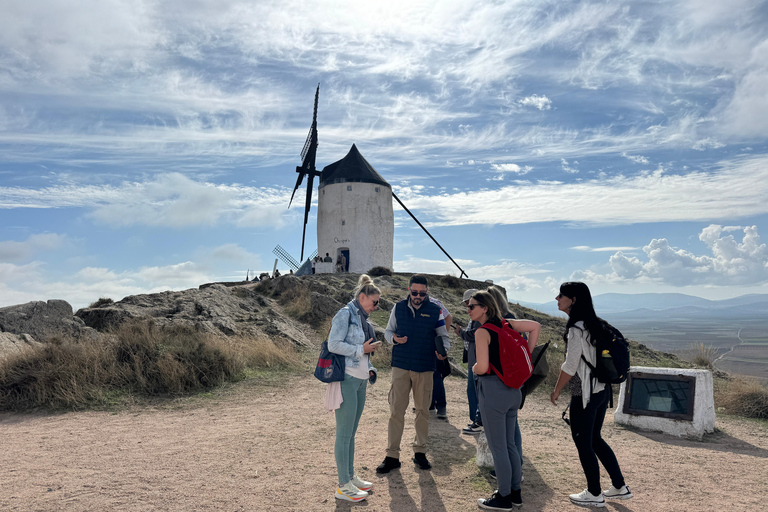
170,200
736,190
601,249
514,168
540,102
11,251
731,262
567,167
638,159
24,283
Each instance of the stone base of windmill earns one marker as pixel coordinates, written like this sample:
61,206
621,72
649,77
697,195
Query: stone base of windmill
483,456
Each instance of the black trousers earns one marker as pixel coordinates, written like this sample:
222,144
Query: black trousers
586,424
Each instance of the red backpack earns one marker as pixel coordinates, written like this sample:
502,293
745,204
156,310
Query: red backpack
516,364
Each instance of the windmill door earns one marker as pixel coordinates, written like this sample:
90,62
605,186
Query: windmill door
344,253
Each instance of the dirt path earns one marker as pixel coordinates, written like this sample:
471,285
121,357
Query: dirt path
272,449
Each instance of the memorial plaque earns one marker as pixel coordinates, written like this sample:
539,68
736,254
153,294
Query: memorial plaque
666,396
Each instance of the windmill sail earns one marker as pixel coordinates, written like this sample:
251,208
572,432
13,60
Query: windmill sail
307,168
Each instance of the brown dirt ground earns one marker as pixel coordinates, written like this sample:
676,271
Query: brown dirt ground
271,448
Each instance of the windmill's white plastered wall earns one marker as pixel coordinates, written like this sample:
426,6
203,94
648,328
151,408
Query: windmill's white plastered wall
360,219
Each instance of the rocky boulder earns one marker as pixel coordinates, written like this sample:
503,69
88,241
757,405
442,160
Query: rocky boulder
44,320
214,308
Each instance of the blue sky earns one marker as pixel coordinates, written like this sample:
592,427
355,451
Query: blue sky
148,146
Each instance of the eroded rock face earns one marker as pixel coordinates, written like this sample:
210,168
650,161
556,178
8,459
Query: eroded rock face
214,308
16,342
44,320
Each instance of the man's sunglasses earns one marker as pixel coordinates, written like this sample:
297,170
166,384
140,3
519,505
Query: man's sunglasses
375,303
418,294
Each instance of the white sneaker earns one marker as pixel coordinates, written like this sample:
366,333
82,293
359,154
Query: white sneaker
587,499
349,492
622,493
361,484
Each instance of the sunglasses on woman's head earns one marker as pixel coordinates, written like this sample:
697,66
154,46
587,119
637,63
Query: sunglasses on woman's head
418,294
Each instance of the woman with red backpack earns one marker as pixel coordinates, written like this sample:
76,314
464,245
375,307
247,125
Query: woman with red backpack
498,401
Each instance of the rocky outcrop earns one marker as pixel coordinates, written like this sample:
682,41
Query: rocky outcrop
216,308
10,343
288,307
43,321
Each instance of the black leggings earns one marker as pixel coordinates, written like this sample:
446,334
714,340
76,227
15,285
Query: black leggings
585,430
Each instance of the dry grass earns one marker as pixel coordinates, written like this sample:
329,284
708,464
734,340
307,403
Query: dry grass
744,397
703,356
103,301
298,302
140,359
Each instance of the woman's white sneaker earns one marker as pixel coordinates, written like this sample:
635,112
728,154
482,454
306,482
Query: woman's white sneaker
361,484
622,493
587,499
349,492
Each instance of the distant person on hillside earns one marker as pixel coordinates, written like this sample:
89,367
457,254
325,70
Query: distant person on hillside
589,398
353,336
343,263
339,268
328,258
413,327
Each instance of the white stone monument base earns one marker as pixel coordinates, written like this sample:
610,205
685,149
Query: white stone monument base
484,457
703,409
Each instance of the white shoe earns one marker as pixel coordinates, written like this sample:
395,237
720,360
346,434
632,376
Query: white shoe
361,484
622,493
587,499
349,492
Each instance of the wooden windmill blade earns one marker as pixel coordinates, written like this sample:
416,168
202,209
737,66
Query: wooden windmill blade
307,168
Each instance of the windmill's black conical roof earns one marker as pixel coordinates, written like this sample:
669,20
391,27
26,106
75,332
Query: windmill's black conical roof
352,168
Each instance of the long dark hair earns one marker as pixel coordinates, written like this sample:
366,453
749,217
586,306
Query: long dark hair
582,310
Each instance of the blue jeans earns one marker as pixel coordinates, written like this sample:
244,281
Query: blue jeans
347,419
472,396
519,439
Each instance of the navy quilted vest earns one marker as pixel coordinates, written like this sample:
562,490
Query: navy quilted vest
418,353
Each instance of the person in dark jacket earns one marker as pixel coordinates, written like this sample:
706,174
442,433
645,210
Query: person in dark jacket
413,326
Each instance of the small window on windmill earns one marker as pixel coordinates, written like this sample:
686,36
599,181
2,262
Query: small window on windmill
343,222
377,189
349,187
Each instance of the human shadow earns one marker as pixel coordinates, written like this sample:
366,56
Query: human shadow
399,497
448,448
717,441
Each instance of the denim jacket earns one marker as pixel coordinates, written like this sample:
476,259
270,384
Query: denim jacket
347,336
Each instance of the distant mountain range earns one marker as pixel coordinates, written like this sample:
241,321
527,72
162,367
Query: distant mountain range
668,305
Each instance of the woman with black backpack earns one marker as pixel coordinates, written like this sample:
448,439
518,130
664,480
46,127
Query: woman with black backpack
589,397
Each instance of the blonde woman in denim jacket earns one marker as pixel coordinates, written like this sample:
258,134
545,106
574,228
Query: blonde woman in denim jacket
353,336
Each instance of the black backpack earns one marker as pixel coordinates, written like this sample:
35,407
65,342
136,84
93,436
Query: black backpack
612,366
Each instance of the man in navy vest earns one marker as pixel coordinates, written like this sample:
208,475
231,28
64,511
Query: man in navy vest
414,325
